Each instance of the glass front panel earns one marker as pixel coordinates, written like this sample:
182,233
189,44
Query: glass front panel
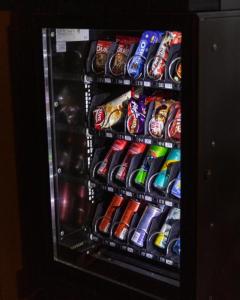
113,104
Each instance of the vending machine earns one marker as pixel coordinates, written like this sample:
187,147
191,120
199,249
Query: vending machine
126,132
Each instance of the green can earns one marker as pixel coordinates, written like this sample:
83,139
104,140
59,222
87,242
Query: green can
154,151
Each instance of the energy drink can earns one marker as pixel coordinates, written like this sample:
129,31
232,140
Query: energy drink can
162,178
118,145
176,190
154,151
162,238
141,231
106,221
134,149
122,229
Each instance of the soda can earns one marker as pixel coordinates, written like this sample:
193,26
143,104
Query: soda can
136,63
143,226
123,226
134,149
106,221
118,145
176,190
162,238
154,151
162,179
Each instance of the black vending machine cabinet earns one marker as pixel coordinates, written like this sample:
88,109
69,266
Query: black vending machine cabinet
127,145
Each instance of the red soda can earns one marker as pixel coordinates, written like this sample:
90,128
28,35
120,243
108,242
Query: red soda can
122,228
134,149
118,145
105,223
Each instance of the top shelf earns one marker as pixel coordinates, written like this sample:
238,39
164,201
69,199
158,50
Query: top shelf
115,81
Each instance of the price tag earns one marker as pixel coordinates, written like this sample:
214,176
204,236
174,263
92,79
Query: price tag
162,259
161,85
109,134
72,35
124,247
126,82
128,138
120,81
129,194
95,238
143,253
147,83
149,255
168,145
108,80
112,244
61,47
129,249
148,141
110,189
148,198
139,83
169,262
169,203
168,86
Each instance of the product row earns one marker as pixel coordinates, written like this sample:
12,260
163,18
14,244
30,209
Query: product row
156,55
139,168
134,113
127,221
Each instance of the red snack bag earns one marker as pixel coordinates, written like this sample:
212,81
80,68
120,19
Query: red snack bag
102,50
119,59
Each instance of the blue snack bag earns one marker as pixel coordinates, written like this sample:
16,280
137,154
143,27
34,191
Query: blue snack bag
136,63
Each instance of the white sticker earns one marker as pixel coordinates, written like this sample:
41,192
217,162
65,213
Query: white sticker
128,138
129,194
168,86
61,47
168,203
129,249
126,81
72,35
112,244
148,141
109,134
148,198
108,80
110,189
149,255
169,262
168,145
147,83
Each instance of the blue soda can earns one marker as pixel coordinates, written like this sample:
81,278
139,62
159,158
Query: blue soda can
162,179
177,247
141,231
176,190
136,63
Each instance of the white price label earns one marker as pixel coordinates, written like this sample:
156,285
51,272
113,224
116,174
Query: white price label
129,194
148,198
109,134
168,86
147,83
108,80
168,145
126,82
169,262
128,138
148,141
72,35
149,255
61,47
168,203
110,189
129,249
112,244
